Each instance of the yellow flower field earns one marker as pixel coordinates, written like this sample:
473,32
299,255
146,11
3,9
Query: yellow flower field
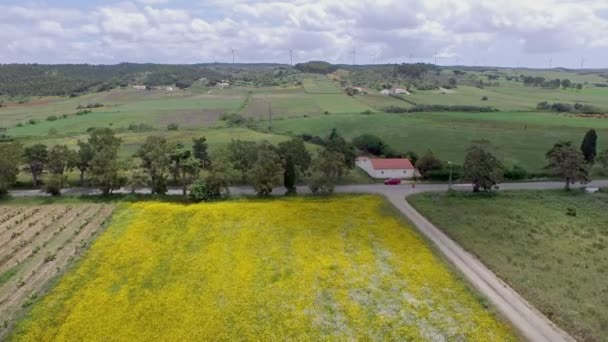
342,268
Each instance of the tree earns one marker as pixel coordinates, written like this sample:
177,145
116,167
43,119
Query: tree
266,173
602,158
296,162
60,159
589,146
222,174
11,155
566,83
371,144
139,179
243,155
568,163
327,169
428,162
482,168
178,155
336,143
155,155
189,171
199,150
104,167
289,175
36,156
82,159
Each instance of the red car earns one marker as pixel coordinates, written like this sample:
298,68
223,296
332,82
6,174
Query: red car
392,181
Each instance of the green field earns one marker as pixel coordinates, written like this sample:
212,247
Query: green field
517,134
121,108
556,261
516,138
510,96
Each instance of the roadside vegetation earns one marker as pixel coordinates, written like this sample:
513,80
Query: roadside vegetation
550,246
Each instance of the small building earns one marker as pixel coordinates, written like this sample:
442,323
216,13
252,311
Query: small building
401,91
223,85
169,88
384,168
385,92
139,87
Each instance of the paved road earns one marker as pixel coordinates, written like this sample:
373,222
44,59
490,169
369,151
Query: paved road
531,323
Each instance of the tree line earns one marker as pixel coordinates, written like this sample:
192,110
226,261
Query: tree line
157,163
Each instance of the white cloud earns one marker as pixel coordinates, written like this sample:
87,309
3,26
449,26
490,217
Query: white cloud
392,30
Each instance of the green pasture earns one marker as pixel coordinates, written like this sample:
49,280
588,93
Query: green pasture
320,85
558,262
515,138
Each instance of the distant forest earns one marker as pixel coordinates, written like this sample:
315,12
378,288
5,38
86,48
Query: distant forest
75,79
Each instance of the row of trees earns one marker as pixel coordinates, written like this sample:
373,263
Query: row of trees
564,160
159,162
555,83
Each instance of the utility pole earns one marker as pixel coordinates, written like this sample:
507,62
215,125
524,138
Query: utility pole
450,182
269,115
232,56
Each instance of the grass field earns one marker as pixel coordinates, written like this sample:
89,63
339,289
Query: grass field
121,108
320,85
556,261
511,96
316,269
36,244
515,138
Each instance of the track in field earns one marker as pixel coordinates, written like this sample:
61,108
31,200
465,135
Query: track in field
37,243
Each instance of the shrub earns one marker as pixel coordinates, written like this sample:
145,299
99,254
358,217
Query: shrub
172,127
20,124
54,184
202,191
571,212
485,98
366,112
51,118
32,121
516,173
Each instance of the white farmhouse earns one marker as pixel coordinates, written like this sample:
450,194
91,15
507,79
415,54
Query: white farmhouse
401,91
387,168
385,92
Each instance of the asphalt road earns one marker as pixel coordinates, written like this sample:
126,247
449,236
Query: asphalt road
530,323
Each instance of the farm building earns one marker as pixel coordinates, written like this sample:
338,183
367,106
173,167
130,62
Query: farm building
387,168
401,91
139,87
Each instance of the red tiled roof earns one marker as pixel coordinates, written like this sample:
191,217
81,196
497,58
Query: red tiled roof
392,164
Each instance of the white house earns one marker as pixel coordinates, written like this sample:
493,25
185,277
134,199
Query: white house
401,91
387,168
139,87
385,92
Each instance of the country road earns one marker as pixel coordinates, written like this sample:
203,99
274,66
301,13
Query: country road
530,323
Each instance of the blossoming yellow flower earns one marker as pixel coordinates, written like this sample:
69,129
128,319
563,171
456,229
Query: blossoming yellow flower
303,269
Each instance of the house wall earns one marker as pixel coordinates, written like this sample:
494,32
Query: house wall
366,165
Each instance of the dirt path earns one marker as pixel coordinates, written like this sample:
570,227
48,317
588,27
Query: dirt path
530,322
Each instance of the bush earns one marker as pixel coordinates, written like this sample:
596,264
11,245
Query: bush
516,173
366,112
571,212
51,118
32,121
202,191
54,184
172,127
485,98
20,124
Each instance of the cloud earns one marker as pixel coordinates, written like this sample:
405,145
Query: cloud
385,30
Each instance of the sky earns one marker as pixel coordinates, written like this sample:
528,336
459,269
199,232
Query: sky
514,33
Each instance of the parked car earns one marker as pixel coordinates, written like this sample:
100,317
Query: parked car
392,181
